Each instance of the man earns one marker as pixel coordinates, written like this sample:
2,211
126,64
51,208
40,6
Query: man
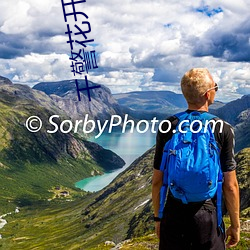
194,225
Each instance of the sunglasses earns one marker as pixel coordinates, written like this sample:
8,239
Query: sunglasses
216,87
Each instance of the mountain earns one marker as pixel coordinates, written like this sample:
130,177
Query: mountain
149,104
106,215
138,105
121,211
64,94
232,110
216,105
32,163
4,80
243,175
237,114
38,166
242,130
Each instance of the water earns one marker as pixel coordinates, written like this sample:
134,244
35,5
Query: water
129,146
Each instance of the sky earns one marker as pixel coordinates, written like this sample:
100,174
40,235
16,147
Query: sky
140,45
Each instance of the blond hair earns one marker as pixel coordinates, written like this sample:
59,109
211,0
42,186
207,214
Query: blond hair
195,83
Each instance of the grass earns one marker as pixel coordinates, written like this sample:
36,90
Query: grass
150,242
91,219
31,164
51,225
244,243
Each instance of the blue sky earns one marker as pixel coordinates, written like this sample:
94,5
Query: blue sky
141,45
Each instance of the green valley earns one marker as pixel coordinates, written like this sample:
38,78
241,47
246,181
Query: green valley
32,163
120,213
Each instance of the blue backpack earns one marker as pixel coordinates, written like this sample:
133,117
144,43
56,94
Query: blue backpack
191,162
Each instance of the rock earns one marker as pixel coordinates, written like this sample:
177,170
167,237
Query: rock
243,175
4,80
25,102
109,243
102,106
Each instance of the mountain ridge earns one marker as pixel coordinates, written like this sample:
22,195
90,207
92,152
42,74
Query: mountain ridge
155,103
101,107
58,159
237,114
230,111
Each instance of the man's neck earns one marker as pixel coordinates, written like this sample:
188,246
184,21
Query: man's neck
198,107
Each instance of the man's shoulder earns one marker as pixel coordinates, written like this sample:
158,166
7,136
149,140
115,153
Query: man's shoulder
227,127
220,124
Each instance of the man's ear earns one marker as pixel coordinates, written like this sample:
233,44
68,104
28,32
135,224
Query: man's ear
207,95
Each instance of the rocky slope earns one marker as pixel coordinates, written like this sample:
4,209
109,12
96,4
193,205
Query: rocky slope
64,94
232,110
237,114
242,130
31,163
243,175
4,80
123,210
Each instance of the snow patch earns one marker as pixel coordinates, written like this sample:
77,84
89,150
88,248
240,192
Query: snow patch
4,222
142,204
143,186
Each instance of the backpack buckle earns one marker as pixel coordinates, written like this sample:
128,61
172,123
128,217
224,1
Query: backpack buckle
172,152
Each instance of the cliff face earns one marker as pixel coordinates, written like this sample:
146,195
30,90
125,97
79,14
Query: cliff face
232,110
237,114
243,175
64,94
242,130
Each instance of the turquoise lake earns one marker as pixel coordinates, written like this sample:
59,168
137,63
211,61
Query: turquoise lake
129,146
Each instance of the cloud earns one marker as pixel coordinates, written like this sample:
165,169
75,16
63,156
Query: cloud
140,45
30,27
230,45
34,68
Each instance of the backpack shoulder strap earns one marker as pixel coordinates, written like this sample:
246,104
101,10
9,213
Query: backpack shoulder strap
208,116
182,115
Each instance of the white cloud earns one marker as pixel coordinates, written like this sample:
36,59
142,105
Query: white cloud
35,68
30,15
141,45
